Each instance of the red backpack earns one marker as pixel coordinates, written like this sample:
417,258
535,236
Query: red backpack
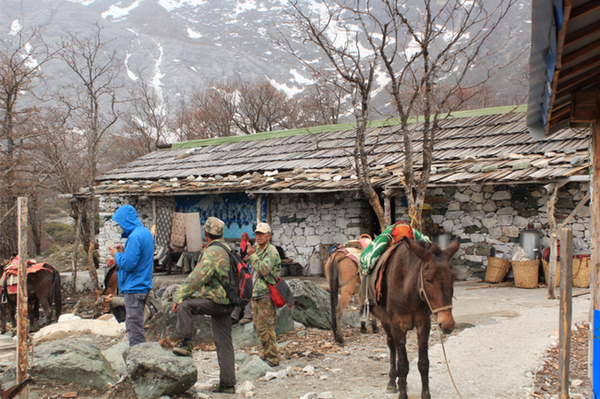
239,289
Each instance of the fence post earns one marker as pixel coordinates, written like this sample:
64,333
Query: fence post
22,319
566,307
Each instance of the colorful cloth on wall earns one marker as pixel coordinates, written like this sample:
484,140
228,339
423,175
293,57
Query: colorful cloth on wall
178,230
193,232
164,216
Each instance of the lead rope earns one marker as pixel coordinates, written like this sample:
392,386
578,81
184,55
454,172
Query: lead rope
423,294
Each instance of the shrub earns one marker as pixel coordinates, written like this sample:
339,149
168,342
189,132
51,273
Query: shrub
61,233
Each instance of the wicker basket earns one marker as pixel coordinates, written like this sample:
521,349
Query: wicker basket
497,268
526,273
556,276
581,272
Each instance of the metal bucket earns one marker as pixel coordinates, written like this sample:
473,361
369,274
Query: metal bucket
530,241
443,240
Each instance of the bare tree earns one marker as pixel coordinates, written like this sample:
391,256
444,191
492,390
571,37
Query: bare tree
149,121
340,43
323,102
97,69
261,107
429,51
22,55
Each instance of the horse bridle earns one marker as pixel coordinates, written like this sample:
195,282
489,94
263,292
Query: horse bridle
424,297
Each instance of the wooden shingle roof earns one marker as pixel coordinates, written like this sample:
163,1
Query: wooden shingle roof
493,148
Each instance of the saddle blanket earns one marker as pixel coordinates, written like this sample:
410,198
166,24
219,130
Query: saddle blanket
11,275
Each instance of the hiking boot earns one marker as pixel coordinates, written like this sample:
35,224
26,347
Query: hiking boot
222,389
185,349
244,321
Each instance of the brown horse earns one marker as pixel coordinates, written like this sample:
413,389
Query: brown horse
111,287
43,288
343,277
417,282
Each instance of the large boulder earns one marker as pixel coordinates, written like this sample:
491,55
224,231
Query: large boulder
162,327
312,307
251,369
243,335
72,360
155,372
114,355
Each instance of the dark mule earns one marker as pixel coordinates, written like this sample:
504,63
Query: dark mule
43,288
343,277
418,281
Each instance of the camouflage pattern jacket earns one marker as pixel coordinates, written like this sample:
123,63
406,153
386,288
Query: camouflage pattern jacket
208,277
267,265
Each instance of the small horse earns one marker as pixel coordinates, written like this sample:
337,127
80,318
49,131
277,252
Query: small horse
417,282
111,286
43,287
340,267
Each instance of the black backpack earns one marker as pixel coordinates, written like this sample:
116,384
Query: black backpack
239,289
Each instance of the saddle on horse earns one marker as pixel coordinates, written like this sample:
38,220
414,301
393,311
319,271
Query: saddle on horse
10,276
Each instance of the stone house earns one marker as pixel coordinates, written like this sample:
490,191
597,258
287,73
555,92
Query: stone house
486,185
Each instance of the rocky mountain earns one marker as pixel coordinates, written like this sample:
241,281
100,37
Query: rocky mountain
180,44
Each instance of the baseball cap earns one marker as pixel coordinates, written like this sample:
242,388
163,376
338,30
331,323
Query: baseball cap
263,228
214,226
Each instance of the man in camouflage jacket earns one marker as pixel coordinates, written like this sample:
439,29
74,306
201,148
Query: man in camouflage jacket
203,292
266,266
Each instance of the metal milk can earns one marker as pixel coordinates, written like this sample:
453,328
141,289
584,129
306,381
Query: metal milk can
530,241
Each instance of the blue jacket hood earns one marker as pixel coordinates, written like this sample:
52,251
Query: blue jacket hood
127,218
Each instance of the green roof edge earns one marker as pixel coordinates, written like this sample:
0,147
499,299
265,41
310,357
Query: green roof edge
343,126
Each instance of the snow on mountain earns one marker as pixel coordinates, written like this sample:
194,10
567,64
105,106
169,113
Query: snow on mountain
176,45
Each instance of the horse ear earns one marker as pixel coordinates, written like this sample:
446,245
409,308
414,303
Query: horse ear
452,248
416,248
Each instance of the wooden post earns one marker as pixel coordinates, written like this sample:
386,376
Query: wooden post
22,319
552,194
566,288
594,347
259,208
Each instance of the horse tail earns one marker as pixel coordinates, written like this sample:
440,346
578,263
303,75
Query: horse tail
57,293
334,289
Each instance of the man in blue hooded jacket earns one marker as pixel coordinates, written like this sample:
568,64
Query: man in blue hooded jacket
135,261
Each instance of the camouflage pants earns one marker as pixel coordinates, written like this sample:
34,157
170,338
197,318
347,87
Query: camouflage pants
265,316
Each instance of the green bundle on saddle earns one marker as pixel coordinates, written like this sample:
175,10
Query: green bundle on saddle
392,235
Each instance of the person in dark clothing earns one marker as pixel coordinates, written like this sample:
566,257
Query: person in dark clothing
135,261
244,312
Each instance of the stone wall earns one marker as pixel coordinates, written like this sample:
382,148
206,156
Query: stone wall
484,217
493,216
301,223
108,234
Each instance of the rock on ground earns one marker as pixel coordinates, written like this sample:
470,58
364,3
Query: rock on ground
156,372
105,328
312,306
72,360
251,369
243,335
162,327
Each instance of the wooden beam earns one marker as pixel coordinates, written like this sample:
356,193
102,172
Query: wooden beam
584,9
582,34
577,68
582,52
562,33
586,83
584,106
565,84
566,309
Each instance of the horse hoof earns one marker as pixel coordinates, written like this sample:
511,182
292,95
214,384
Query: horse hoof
390,389
364,330
375,330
